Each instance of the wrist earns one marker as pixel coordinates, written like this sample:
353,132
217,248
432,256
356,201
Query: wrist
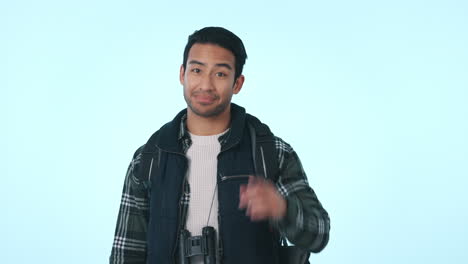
281,209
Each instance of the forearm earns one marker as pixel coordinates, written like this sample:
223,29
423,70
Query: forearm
306,223
129,245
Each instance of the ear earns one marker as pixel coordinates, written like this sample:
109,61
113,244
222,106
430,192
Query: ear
238,84
181,74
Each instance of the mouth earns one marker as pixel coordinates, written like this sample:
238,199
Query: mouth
205,99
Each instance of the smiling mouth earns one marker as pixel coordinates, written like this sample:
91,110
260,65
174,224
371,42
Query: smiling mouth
205,98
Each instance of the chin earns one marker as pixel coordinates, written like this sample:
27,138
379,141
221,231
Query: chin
208,111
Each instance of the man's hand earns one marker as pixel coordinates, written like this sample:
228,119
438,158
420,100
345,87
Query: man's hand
262,200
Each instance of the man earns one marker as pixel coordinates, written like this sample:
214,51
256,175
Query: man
200,170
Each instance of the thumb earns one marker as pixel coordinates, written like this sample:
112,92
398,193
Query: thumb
253,180
242,197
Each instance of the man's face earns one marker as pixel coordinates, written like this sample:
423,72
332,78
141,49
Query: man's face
208,80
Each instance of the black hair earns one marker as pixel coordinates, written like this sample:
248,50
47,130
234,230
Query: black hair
223,38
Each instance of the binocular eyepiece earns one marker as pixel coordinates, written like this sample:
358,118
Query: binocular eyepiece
204,245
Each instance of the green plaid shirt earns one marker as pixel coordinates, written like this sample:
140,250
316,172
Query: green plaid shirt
306,223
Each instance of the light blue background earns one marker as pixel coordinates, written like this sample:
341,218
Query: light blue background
378,89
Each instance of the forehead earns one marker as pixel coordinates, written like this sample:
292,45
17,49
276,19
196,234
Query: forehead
211,53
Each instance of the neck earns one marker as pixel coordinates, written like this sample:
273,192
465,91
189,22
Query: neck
207,126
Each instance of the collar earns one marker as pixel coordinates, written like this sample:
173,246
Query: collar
174,136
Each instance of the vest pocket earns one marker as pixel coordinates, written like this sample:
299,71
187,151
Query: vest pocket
237,177
229,191
243,241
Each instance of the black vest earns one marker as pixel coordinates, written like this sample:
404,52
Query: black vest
241,240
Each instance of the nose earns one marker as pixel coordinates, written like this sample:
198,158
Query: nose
206,83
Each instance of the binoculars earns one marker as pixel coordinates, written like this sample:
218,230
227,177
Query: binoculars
204,245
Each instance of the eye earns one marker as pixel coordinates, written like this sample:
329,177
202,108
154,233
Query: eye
196,70
221,74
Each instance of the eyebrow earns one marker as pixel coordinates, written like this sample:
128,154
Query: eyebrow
225,65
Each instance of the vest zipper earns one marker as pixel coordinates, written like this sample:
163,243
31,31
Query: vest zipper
174,247
223,178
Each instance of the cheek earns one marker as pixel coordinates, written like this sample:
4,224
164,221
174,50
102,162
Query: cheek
227,92
188,84
188,92
191,82
186,88
225,86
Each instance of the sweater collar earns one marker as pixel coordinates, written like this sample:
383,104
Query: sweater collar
174,136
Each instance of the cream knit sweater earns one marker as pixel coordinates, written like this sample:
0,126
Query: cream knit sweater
201,174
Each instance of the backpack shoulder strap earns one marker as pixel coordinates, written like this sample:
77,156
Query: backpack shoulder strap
264,153
149,160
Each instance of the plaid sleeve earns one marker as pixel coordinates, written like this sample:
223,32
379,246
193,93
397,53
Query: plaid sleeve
130,233
306,223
